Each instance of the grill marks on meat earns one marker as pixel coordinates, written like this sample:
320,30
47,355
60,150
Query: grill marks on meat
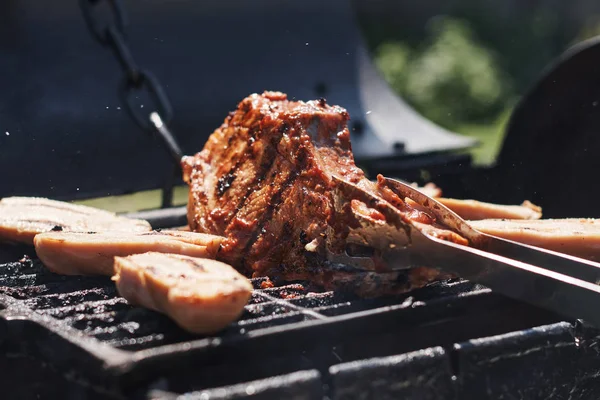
242,157
252,219
266,219
202,296
279,214
21,218
274,177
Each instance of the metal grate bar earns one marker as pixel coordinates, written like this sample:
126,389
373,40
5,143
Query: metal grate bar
90,307
138,343
65,299
290,305
270,320
93,306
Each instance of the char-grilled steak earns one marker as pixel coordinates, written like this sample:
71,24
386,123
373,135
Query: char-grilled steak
264,181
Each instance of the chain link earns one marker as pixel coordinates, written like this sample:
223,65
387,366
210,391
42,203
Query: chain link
135,80
118,45
99,31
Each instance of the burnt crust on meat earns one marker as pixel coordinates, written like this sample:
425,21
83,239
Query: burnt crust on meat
264,182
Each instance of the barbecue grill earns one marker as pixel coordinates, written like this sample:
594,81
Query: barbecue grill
70,337
74,337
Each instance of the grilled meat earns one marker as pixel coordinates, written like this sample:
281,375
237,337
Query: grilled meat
430,189
21,218
76,253
475,210
578,237
202,296
265,181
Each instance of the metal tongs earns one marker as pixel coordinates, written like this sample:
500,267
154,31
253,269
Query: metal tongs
558,282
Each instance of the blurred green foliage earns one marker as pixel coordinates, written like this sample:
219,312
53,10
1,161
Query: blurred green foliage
466,69
450,77
453,79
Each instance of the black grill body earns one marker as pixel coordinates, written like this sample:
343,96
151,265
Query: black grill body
74,337
59,101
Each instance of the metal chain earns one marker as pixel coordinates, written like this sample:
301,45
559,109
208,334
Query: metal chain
112,34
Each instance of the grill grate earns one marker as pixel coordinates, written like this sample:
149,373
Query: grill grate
290,336
92,306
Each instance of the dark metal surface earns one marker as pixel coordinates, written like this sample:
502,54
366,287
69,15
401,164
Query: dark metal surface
163,218
548,279
156,115
87,342
300,385
555,361
60,109
79,326
549,155
563,294
74,337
